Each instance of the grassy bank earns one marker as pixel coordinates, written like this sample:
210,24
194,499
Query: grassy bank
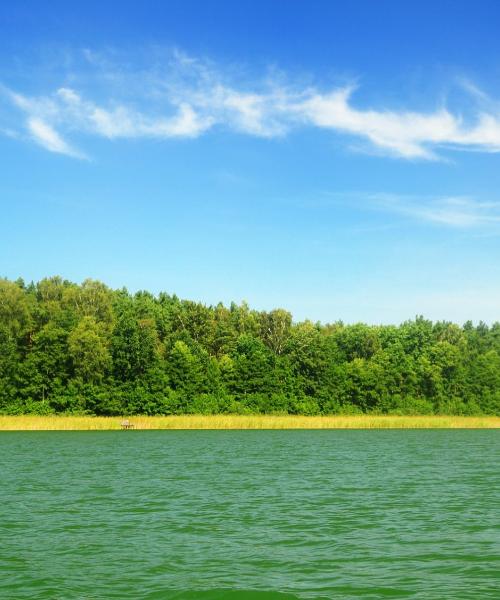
63,422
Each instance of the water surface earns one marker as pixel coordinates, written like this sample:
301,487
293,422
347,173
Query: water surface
250,514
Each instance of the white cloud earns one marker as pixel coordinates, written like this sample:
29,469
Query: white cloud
121,121
405,134
190,97
186,123
44,135
456,211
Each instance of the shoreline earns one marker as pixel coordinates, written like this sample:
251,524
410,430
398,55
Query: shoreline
234,422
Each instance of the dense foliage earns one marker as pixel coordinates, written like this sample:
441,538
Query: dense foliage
89,349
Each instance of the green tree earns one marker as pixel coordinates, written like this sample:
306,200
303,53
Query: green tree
135,347
253,368
92,299
45,369
275,329
88,350
15,309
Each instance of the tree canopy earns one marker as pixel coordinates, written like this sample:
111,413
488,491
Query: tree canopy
90,349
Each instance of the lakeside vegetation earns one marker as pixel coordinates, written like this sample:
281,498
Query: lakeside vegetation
89,423
89,350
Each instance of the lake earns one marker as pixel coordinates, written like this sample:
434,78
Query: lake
250,514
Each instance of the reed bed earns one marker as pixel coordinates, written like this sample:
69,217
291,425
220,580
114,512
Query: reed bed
80,423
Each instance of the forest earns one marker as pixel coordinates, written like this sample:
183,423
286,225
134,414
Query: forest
88,349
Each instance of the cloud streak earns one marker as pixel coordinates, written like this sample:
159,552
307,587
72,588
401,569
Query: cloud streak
44,135
459,212
191,98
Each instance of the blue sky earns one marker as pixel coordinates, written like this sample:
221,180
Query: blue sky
340,160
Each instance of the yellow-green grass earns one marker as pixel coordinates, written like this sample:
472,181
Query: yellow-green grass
66,422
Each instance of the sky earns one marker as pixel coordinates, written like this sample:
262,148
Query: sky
337,159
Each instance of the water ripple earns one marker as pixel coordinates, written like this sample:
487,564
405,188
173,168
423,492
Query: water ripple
250,514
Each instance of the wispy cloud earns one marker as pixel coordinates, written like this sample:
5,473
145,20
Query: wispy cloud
190,96
404,134
43,134
455,211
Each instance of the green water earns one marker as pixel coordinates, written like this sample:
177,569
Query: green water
250,514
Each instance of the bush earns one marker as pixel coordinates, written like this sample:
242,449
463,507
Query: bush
397,405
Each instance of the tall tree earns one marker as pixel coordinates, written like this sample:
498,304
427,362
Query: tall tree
88,350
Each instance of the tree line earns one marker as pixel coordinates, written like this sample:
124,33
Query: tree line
68,348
